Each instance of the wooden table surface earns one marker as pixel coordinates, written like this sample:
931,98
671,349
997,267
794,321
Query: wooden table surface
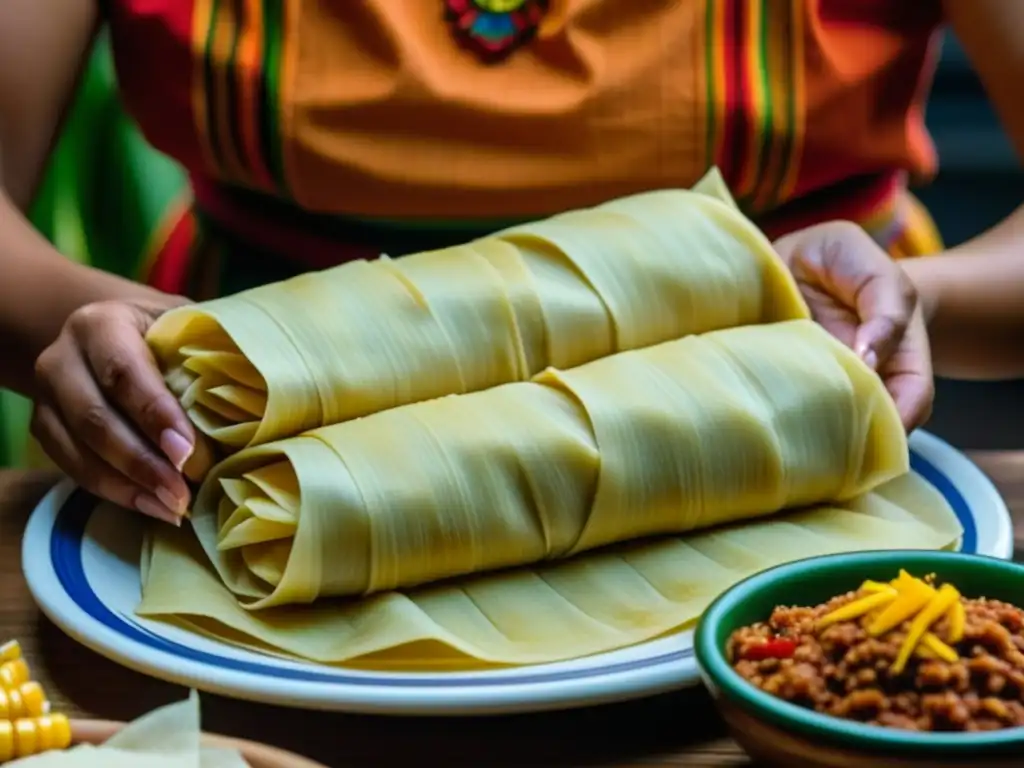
674,730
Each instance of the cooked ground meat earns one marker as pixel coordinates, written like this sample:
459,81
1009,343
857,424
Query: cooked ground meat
844,672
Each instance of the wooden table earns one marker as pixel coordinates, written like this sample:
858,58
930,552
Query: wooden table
673,730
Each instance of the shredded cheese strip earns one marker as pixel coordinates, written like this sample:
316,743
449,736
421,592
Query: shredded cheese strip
693,433
327,347
937,606
957,619
887,606
910,599
936,648
859,608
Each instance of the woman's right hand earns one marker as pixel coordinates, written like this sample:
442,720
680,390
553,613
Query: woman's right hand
865,299
104,414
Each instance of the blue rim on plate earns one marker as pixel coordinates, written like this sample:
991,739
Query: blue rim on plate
66,557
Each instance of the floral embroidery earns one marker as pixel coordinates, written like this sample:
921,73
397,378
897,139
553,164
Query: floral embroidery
493,29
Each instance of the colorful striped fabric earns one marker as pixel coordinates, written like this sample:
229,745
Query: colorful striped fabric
754,61
341,119
319,131
236,89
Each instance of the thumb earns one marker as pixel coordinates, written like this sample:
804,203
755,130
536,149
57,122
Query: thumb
885,302
876,340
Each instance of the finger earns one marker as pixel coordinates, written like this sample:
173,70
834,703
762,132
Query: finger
92,422
876,340
867,280
885,302
908,375
913,395
840,321
89,471
128,376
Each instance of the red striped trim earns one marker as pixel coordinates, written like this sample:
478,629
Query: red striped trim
739,77
152,48
732,58
169,267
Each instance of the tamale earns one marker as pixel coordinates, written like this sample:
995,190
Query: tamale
681,436
595,602
330,346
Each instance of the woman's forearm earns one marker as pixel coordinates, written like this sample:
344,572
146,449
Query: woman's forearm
973,297
39,289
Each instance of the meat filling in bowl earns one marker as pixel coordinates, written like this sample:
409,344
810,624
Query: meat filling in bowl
904,654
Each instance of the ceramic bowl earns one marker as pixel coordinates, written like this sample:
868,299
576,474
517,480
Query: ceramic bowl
778,733
256,755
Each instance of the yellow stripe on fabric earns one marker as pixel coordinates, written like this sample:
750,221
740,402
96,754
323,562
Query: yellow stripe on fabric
882,218
715,76
921,229
699,65
780,133
222,48
288,56
797,102
919,235
903,227
759,105
249,74
202,22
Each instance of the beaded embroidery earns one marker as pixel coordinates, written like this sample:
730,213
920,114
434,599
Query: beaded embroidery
494,29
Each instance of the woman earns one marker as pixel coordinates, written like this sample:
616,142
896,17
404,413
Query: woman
320,132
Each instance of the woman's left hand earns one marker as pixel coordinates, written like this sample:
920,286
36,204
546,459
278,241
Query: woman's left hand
104,414
863,298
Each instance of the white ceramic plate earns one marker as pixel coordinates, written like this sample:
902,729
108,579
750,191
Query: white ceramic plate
81,561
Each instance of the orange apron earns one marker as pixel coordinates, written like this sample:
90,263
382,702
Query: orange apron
319,131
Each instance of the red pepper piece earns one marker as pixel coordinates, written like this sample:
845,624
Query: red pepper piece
776,648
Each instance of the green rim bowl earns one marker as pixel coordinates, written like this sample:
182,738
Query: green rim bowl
811,582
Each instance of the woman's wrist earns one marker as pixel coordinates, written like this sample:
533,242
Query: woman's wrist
71,287
105,286
927,281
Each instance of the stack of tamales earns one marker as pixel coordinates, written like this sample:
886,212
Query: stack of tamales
559,440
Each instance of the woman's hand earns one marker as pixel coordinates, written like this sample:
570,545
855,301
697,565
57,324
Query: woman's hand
863,298
104,415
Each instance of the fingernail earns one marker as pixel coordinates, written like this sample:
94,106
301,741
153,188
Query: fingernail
152,507
169,500
870,359
176,447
